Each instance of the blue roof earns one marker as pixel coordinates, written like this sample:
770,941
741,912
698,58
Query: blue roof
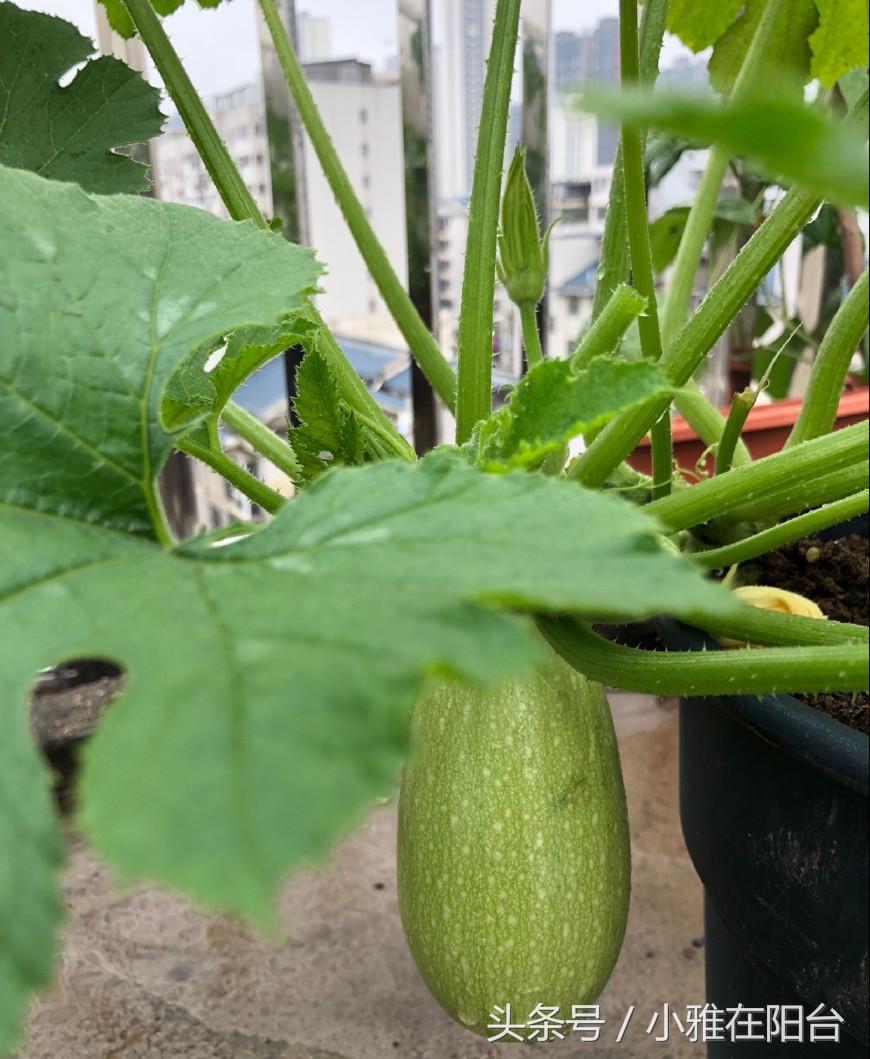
267,385
582,282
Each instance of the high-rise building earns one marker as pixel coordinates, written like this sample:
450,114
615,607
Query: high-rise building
459,68
314,37
590,58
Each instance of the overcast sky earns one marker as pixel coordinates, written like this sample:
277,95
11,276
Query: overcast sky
362,28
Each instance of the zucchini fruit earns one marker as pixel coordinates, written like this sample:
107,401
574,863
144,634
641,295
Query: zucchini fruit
513,849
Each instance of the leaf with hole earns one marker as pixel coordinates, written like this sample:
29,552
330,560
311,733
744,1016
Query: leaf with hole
70,132
104,297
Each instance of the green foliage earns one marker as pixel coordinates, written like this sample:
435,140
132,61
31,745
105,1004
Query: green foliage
104,297
700,25
813,38
270,679
194,390
787,57
666,231
553,404
840,42
121,22
329,432
69,133
787,138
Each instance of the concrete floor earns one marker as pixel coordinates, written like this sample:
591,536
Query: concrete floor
143,976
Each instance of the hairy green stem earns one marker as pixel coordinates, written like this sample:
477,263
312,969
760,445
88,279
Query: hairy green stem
715,496
754,625
261,438
238,200
235,196
741,405
718,309
531,338
682,279
766,670
783,533
613,268
706,420
788,497
474,400
638,243
420,341
246,483
621,310
831,365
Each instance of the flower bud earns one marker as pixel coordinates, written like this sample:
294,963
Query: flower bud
522,264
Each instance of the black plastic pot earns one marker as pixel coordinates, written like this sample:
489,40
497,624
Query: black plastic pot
774,808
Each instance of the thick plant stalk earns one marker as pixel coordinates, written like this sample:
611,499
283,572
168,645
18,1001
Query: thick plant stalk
831,365
679,293
775,629
474,401
238,200
838,667
246,483
420,340
718,309
704,419
783,533
721,494
614,265
620,312
639,246
789,497
261,438
741,405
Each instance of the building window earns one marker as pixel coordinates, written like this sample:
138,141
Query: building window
364,150
363,115
569,348
366,183
573,305
373,306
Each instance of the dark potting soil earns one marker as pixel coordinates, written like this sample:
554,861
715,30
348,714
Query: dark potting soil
834,574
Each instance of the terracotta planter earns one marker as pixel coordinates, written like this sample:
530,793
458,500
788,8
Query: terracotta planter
766,431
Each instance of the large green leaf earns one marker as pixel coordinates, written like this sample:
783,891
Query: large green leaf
268,681
553,404
787,55
102,297
700,25
784,136
68,133
812,38
840,44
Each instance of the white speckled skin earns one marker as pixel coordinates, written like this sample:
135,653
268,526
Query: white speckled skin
513,857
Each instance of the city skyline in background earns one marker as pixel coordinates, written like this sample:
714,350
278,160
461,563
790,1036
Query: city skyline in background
352,69
232,60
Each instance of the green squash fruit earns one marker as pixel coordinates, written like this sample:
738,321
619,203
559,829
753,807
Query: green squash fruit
513,855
